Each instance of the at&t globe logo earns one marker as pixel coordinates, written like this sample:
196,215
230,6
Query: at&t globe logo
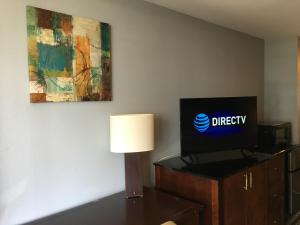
201,122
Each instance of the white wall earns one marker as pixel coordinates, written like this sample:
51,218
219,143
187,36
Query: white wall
281,82
55,156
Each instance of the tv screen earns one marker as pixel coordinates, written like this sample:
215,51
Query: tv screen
217,124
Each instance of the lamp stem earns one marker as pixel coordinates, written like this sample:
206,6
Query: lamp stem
133,175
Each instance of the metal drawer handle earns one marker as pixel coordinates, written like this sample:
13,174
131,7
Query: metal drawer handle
246,182
251,180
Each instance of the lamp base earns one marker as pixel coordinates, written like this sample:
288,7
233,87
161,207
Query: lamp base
133,175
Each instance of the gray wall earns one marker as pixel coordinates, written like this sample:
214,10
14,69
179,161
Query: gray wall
281,82
55,156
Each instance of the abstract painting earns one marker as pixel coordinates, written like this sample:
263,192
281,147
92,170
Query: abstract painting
69,57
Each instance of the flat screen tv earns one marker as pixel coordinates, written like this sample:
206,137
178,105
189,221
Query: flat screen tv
217,124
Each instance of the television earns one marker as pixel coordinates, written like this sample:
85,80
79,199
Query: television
217,124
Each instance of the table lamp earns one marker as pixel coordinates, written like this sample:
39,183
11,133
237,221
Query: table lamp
132,134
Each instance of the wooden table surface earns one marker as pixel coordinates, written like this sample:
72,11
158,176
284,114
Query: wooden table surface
155,207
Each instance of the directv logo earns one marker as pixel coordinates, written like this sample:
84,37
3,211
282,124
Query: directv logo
202,123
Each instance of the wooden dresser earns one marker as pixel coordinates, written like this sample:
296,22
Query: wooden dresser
234,192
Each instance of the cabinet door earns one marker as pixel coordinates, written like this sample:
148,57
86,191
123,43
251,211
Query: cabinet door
234,199
276,190
257,195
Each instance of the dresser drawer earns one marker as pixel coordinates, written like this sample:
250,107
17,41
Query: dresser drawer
190,217
276,171
275,213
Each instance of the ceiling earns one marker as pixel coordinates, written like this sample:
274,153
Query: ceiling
261,18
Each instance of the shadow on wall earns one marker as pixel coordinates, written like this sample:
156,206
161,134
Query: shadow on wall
10,195
165,146
15,172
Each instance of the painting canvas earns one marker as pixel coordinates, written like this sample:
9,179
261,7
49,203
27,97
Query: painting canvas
69,57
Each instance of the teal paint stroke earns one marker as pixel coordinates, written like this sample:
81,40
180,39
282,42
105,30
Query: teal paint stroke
54,57
105,40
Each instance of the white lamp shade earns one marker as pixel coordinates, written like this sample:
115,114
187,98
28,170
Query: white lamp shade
131,133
